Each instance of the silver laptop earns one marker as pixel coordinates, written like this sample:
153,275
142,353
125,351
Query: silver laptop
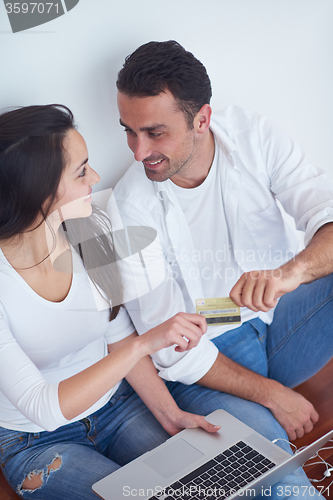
232,463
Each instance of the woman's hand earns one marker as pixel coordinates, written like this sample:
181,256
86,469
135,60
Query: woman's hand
183,330
178,420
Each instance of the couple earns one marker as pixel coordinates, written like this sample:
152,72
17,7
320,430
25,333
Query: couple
80,396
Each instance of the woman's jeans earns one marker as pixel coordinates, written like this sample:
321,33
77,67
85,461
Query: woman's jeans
88,450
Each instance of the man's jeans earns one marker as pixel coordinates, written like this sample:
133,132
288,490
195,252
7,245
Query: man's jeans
293,348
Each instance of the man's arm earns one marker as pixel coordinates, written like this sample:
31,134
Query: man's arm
150,387
291,410
259,290
306,194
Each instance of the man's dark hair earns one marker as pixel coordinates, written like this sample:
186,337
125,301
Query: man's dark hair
156,67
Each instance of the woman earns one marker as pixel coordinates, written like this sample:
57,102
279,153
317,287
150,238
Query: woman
67,419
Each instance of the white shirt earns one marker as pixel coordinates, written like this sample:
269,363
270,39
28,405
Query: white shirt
216,266
262,166
43,343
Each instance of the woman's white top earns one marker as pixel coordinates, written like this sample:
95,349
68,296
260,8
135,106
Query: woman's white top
43,343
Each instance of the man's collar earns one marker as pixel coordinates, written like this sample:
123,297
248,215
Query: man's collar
162,187
225,143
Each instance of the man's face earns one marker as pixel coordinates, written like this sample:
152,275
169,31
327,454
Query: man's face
158,134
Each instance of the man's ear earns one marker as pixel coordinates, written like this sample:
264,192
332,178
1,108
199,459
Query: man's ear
202,119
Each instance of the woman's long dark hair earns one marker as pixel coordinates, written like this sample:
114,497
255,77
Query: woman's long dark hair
32,160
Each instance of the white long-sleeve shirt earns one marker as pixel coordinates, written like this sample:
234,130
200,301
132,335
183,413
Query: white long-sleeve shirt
43,343
260,166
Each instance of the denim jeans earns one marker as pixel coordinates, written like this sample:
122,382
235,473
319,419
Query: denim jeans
294,347
89,449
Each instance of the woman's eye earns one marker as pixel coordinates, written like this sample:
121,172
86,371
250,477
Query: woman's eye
83,173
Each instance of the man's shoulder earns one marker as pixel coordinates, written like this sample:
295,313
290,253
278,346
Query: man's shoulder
135,187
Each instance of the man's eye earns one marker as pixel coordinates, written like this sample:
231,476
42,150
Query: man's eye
83,173
128,131
152,134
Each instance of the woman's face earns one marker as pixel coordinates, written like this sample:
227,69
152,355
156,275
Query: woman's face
74,191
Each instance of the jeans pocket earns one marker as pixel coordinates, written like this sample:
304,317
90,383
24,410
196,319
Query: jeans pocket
261,330
122,393
11,443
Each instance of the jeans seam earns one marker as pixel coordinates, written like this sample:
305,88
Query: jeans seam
257,331
9,443
121,397
6,460
291,332
85,422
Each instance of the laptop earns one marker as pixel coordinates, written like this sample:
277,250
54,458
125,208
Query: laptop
234,462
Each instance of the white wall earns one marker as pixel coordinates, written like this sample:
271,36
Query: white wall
273,56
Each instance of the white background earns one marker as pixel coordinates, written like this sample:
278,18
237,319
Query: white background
272,56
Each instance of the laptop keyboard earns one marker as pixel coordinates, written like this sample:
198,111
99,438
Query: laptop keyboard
221,476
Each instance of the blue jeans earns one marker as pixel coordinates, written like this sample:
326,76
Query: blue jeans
295,346
89,449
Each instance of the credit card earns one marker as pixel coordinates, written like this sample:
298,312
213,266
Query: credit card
219,311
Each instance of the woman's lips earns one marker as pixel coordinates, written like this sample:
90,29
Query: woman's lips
88,198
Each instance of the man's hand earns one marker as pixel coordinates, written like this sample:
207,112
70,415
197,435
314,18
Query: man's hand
295,413
259,290
178,420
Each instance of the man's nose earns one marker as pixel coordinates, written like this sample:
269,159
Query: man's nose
142,148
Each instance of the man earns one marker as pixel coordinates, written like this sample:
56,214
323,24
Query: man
209,186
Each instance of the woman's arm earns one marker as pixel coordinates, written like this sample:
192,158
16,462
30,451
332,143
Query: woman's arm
150,387
81,391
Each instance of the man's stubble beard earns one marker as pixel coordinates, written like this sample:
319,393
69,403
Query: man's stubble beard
169,172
